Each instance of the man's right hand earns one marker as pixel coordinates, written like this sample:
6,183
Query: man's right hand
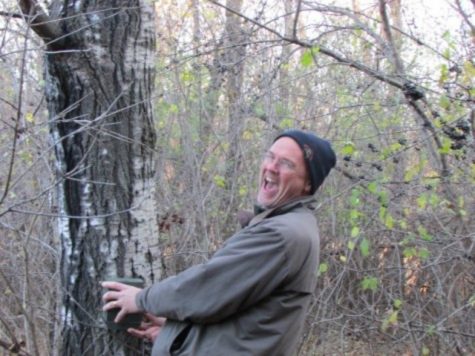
150,328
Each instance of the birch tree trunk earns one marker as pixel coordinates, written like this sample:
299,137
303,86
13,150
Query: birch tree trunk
99,79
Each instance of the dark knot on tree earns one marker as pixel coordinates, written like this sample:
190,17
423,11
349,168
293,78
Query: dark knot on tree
412,91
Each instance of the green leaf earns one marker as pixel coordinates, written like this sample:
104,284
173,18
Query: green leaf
355,197
403,224
431,330
446,36
351,245
364,247
286,123
173,108
445,149
354,214
322,268
219,181
444,102
382,213
369,283
187,76
425,351
447,54
29,117
444,74
247,135
373,187
389,221
423,253
348,149
242,191
306,59
397,303
355,231
392,319
424,234
422,201
383,198
469,69
434,199
409,252
26,157
471,301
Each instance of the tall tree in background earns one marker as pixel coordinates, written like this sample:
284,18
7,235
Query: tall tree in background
234,60
99,62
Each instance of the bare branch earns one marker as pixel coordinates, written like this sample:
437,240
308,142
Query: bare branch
40,22
296,20
389,36
324,50
11,15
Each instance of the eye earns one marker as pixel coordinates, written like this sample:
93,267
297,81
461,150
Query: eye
284,163
268,156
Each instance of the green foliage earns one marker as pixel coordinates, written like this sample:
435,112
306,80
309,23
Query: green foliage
306,60
391,320
187,76
286,123
348,149
417,252
355,231
424,234
322,268
365,247
397,303
355,197
369,283
351,245
219,181
471,301
372,187
425,351
444,74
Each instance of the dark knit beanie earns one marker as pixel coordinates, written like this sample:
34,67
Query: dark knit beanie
318,155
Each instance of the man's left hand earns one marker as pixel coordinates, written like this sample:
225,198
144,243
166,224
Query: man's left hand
120,296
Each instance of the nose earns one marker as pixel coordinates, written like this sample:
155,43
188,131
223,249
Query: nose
271,164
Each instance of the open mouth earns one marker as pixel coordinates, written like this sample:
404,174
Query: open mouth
269,183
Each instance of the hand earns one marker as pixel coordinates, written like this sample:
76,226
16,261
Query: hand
120,296
150,328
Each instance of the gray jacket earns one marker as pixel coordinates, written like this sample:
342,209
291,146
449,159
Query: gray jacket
250,298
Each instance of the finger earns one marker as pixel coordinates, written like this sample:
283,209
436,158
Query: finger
113,285
145,325
137,333
111,295
111,305
120,315
156,320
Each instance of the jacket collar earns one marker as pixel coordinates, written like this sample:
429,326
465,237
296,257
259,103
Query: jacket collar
261,214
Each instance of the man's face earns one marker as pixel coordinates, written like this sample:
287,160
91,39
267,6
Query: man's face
283,175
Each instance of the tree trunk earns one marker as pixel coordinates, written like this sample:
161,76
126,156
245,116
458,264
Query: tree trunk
99,79
235,52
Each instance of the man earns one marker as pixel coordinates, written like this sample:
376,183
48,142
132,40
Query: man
252,296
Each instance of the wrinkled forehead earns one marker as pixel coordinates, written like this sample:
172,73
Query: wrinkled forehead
287,148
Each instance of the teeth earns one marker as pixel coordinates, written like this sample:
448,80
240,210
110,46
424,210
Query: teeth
269,180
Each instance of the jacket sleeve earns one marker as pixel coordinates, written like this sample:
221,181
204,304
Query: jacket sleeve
248,268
